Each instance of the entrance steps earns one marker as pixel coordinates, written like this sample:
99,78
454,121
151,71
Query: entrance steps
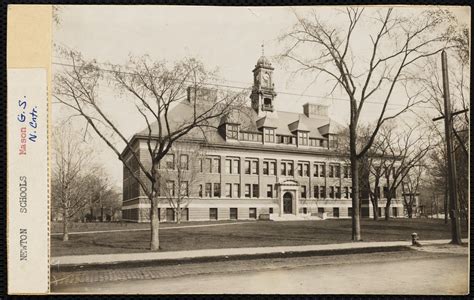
292,217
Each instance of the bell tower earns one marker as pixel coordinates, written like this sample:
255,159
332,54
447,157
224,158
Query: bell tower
263,90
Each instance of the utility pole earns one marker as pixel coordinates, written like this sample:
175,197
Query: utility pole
448,127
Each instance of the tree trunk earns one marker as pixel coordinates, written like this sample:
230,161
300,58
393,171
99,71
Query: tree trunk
356,234
446,205
155,224
375,206
387,210
102,213
65,226
178,216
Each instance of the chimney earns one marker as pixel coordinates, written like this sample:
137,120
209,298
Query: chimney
315,110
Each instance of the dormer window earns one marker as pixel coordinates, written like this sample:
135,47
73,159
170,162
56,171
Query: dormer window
232,131
302,138
267,104
269,134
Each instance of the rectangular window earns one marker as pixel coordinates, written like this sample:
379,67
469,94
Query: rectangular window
265,167
236,166
394,212
290,169
247,191
347,172
233,213
305,210
228,166
303,138
208,189
270,210
208,165
247,166
346,192
272,168
216,165
322,172
300,169
349,211
184,162
200,190
169,215
335,212
322,193
170,187
269,135
252,213
331,192
184,190
217,189
169,161
385,191
331,171
228,190
338,192
255,167
236,191
283,168
255,191
303,191
321,210
337,171
269,190
232,131
316,192
306,169
212,213
316,170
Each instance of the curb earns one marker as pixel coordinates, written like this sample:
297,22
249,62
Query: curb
233,257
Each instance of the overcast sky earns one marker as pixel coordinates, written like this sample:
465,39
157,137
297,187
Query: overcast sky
228,38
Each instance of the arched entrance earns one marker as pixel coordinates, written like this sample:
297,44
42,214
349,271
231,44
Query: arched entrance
287,203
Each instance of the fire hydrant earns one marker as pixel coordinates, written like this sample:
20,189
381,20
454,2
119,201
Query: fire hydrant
414,240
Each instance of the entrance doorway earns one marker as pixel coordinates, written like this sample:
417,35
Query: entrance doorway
287,203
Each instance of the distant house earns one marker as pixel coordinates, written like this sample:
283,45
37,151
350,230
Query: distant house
258,161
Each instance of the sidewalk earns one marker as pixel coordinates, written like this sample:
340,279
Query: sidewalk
107,259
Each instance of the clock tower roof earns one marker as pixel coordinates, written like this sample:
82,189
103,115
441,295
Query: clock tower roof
263,62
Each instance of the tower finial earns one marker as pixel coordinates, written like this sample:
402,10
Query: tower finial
263,48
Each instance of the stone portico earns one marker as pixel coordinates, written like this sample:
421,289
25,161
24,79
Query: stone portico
288,196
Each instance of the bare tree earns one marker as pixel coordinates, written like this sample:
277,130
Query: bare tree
411,187
398,43
72,174
178,174
155,88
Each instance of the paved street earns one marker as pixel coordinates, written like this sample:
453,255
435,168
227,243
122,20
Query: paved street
406,272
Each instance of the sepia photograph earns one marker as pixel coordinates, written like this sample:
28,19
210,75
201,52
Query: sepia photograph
259,150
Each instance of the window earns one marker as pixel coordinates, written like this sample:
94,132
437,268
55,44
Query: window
331,192
379,209
233,213
272,168
303,169
331,171
228,166
216,165
184,162
212,213
300,169
170,215
247,191
305,210
170,187
200,190
346,192
282,139
394,212
335,212
270,210
337,171
228,190
269,190
322,171
184,190
169,161
290,169
303,138
247,166
208,189
255,191
236,166
252,213
254,167
283,168
320,210
217,189
265,167
347,172
385,191
232,131
322,193
316,170
316,191
236,190
269,135
338,192
349,211
303,191
207,165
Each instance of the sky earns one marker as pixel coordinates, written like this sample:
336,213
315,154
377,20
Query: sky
227,38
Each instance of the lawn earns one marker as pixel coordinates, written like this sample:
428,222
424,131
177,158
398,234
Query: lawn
248,234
